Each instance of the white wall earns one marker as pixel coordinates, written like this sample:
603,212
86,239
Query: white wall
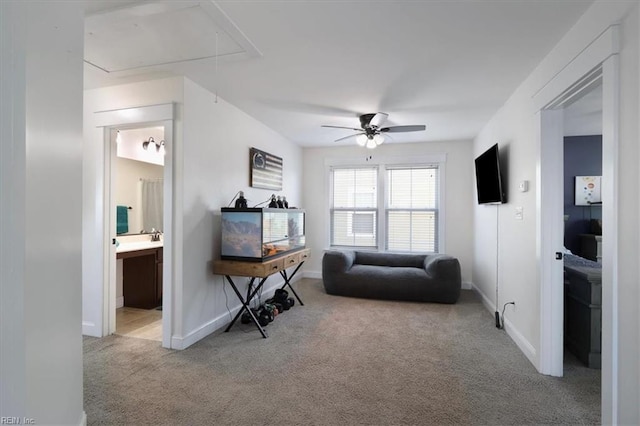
211,163
514,128
152,92
458,195
215,165
41,86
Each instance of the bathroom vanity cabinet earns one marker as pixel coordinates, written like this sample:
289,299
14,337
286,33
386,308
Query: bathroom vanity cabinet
142,277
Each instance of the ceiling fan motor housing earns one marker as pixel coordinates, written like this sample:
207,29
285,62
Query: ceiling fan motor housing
365,119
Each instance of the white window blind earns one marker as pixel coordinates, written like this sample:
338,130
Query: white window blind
412,209
354,207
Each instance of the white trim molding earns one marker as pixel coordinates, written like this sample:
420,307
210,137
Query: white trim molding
523,344
597,61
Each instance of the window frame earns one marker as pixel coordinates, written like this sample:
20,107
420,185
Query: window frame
436,210
383,163
372,210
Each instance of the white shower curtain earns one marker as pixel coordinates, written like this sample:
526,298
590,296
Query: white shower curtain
152,204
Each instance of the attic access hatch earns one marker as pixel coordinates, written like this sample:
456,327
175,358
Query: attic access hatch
161,33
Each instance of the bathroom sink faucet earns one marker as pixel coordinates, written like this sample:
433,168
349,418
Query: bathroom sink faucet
155,235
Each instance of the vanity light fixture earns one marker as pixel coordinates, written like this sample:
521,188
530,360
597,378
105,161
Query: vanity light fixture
159,145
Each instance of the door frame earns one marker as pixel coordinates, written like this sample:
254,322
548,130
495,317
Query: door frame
110,121
598,61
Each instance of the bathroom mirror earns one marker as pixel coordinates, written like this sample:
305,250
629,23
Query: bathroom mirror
139,183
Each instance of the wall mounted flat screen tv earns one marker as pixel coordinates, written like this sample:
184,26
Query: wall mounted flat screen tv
489,178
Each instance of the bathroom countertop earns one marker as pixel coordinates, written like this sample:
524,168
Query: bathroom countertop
125,247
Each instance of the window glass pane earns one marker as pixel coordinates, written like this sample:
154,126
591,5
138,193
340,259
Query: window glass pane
355,188
412,231
411,219
413,188
354,204
352,228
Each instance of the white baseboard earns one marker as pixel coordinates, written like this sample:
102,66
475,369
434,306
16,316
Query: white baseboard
485,300
90,329
83,419
466,285
523,344
527,348
119,302
222,320
312,274
179,342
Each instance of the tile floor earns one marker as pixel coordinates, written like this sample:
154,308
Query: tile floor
140,323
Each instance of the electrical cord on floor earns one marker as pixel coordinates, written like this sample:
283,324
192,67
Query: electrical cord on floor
503,308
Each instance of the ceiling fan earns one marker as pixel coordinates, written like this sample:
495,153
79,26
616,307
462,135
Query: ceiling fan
371,133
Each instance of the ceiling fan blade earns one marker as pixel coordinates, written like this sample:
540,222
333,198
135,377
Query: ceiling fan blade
378,119
397,129
341,127
350,136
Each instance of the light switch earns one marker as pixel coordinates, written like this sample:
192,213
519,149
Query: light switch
519,214
523,186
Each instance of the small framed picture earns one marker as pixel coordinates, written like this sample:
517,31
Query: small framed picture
266,170
588,190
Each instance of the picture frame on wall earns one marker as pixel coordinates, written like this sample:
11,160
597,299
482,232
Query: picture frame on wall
265,170
588,190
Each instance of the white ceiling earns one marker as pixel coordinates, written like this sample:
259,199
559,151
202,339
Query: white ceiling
295,65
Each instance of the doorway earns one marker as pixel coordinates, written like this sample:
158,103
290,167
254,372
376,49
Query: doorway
582,258
137,197
596,65
138,121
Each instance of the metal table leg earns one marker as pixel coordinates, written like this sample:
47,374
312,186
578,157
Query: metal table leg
288,283
245,303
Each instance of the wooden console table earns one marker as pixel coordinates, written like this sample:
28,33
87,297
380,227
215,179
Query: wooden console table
259,271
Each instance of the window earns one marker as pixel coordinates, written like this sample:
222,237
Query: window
412,209
354,207
407,222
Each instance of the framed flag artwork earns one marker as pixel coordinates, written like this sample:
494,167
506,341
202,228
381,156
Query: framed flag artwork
266,170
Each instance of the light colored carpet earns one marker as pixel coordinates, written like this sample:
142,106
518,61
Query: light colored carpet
338,361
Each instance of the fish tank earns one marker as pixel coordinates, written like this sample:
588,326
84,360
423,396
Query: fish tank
258,234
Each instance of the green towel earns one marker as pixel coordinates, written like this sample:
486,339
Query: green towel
122,219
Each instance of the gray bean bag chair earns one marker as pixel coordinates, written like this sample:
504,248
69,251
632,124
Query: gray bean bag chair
412,277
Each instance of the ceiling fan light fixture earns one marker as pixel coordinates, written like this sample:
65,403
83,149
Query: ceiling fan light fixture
371,132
